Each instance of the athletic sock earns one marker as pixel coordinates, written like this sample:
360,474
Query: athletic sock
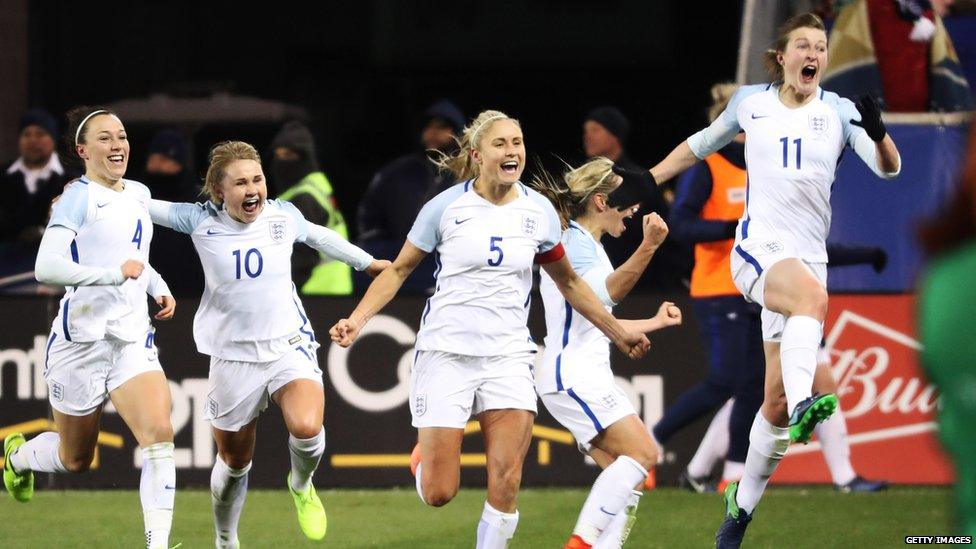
496,528
798,357
714,445
619,528
228,490
832,433
608,497
157,491
305,456
733,470
39,454
767,446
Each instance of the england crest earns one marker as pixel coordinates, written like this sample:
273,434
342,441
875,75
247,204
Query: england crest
818,124
277,230
530,224
420,405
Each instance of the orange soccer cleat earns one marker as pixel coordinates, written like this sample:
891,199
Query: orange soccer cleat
576,542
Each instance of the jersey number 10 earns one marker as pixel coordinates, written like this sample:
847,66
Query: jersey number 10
247,262
786,146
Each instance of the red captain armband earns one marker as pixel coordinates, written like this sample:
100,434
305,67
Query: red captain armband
555,254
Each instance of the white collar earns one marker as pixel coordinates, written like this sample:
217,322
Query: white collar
53,166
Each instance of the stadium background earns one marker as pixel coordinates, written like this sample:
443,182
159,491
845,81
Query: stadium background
362,72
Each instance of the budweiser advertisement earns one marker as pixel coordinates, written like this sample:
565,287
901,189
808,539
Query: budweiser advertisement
889,405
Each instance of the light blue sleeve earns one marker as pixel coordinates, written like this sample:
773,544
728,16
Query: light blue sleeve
554,227
725,127
300,221
855,137
425,232
582,254
70,210
184,217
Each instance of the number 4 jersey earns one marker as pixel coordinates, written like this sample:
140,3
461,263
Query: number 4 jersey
484,255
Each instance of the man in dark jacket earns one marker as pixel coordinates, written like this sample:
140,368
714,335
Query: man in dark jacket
399,189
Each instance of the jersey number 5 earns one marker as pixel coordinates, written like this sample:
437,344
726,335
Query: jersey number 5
493,247
247,263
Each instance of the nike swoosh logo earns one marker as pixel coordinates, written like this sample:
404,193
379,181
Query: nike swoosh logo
212,232
459,221
169,487
103,205
754,117
607,512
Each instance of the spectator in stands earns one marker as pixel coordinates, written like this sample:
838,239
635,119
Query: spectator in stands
605,132
169,178
295,169
400,188
31,181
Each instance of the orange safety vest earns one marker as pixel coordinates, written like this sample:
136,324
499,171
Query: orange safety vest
712,275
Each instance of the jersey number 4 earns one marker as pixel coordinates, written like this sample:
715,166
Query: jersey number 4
786,150
248,261
137,238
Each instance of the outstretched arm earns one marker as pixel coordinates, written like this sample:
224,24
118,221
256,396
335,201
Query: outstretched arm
874,145
379,293
54,265
668,314
333,245
622,280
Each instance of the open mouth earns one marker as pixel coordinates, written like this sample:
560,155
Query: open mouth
807,73
250,205
510,167
117,160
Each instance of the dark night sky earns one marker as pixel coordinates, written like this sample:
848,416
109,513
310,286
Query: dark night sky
365,69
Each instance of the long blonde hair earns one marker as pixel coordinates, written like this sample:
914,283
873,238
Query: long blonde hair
572,193
460,163
221,155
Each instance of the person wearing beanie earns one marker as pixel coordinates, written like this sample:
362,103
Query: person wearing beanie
29,183
605,133
294,168
169,177
399,189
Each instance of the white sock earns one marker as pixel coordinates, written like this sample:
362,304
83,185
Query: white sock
420,484
714,445
798,357
228,490
767,446
305,456
733,470
608,497
619,528
832,433
157,490
496,528
39,454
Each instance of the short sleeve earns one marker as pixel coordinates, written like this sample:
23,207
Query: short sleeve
425,232
184,217
70,210
580,249
553,231
301,223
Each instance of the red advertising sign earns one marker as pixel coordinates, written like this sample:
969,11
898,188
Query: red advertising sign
889,405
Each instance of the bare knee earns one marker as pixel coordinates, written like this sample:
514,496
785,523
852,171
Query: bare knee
775,411
306,429
646,456
159,432
504,482
234,461
813,303
438,495
79,462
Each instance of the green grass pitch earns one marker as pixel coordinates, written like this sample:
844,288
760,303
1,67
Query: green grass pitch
787,517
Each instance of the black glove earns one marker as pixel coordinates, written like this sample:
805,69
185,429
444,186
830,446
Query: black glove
730,228
643,175
870,118
879,259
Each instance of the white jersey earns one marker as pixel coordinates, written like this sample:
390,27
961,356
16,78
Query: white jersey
111,227
792,157
576,350
249,306
484,256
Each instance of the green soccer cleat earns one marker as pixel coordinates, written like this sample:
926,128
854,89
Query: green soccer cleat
808,413
20,485
311,514
730,534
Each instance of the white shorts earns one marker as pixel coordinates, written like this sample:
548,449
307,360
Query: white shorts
587,410
750,263
446,389
80,375
239,391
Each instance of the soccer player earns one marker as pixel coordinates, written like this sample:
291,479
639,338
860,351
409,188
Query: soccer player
796,133
252,324
101,344
473,351
574,377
